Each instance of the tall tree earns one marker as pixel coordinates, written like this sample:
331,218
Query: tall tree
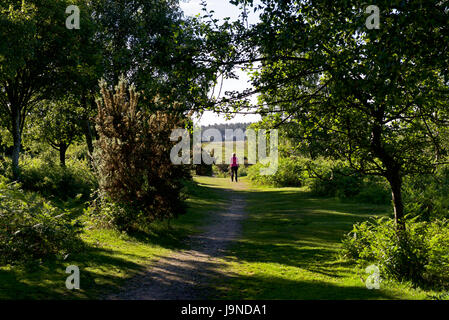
154,47
376,97
38,55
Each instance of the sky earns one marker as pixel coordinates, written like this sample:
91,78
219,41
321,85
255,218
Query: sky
223,9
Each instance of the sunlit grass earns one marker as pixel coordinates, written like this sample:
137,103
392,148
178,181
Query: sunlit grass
290,250
110,257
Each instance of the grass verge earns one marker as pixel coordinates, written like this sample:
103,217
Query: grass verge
110,258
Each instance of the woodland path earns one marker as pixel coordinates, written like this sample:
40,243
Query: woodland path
187,274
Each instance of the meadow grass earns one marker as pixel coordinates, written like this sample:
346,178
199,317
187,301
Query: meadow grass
290,250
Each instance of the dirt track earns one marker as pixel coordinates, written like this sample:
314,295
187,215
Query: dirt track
186,274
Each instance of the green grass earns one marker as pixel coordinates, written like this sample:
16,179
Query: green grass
288,250
110,258
290,246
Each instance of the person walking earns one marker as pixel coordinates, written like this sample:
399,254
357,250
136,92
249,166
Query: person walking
234,167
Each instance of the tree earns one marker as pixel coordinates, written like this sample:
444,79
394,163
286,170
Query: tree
59,124
87,70
39,55
155,48
375,97
133,159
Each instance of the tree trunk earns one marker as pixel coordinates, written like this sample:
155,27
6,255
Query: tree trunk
17,137
62,151
393,172
395,181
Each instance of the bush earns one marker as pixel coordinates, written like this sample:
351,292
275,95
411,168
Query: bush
325,178
52,180
425,196
291,172
420,254
375,190
221,170
32,229
203,169
243,170
333,178
105,213
133,162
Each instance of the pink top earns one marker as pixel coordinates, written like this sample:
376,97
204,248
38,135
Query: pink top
234,162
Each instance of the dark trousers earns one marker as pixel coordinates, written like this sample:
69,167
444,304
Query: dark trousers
234,173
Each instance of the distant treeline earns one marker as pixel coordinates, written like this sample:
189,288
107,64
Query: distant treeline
223,126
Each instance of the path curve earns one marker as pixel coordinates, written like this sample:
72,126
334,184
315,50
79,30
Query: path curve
185,275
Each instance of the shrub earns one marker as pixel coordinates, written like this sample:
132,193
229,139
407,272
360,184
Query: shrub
108,214
325,177
420,254
203,169
425,196
52,180
291,172
221,170
333,178
243,170
437,268
33,229
133,159
374,190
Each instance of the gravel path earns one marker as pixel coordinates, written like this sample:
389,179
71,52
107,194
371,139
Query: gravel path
185,275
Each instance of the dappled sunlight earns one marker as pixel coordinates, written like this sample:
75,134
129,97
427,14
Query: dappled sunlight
290,248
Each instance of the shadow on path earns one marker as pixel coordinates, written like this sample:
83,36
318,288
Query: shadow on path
186,274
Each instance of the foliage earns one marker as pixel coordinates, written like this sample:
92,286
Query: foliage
419,254
373,97
152,44
291,172
426,195
58,124
324,177
203,169
221,170
5,140
39,57
42,174
374,190
51,180
338,179
107,214
133,159
32,229
334,178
